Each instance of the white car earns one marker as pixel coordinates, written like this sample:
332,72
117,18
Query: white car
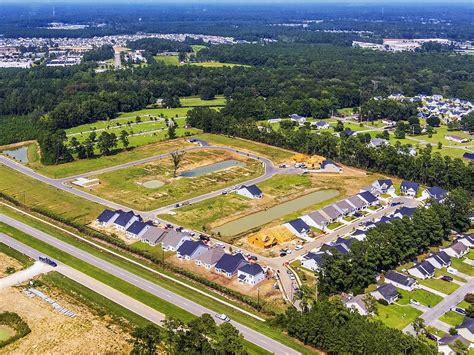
415,302
223,317
298,247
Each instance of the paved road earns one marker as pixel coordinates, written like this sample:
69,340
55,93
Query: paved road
150,287
19,277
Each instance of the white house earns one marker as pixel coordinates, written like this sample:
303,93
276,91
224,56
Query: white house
386,292
401,281
297,118
439,260
191,249
445,343
357,304
251,191
298,227
330,166
408,188
137,229
173,240
313,261
456,250
384,186
316,219
423,270
377,142
435,192
107,217
466,329
251,274
210,258
467,240
321,125
125,220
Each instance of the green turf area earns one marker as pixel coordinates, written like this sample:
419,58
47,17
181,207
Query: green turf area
463,304
443,272
215,64
470,255
347,111
334,225
452,318
33,155
125,185
395,316
280,185
461,266
435,331
424,297
37,194
440,285
277,155
193,101
156,250
197,47
13,253
167,59
179,289
98,303
88,165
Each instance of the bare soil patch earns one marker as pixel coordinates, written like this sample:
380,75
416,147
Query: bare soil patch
8,262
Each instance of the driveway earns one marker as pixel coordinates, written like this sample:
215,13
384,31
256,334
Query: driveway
22,276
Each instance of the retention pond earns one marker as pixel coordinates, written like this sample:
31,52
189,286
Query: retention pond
211,168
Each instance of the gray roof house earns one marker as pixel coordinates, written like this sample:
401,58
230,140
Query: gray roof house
386,292
356,201
457,250
344,207
153,236
190,249
439,260
466,329
399,280
229,264
332,212
173,240
316,219
384,186
357,304
209,258
423,270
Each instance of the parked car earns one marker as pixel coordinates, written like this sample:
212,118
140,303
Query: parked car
292,277
452,270
415,302
447,278
223,317
431,336
299,247
48,261
282,254
460,310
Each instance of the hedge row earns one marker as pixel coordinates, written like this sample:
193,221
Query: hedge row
144,254
14,321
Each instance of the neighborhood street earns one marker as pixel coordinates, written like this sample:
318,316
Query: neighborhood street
150,287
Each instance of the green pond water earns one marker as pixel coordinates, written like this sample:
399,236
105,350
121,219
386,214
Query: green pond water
211,168
19,154
263,217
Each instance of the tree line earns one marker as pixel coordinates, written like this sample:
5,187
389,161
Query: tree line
426,167
391,244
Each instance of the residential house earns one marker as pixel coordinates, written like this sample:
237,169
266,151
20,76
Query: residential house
467,240
404,212
322,125
125,220
107,217
210,257
466,329
137,229
251,191
332,213
357,304
297,118
345,208
229,264
153,236
332,248
409,188
399,280
191,249
423,270
274,120
251,274
357,202
173,240
368,197
456,139
439,260
316,219
359,234
329,165
456,250
377,142
384,186
347,132
386,292
298,227
313,261
436,193
446,342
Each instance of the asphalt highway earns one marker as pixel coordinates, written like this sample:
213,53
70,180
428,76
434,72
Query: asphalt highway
190,306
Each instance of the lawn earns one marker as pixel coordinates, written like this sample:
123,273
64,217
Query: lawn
37,194
440,285
216,64
334,225
175,287
443,272
280,185
395,316
424,297
461,266
125,185
452,318
470,255
194,101
167,59
15,254
156,250
277,155
87,165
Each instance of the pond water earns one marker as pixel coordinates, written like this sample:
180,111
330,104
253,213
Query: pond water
19,154
6,332
211,168
263,217
153,184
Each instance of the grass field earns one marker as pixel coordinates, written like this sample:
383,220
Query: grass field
194,101
461,266
167,59
277,155
452,318
124,185
440,285
424,297
395,316
215,64
88,165
13,253
181,290
38,194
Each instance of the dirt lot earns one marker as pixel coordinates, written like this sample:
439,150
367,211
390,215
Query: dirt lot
54,333
6,262
264,290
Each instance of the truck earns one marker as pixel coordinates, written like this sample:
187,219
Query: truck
48,261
